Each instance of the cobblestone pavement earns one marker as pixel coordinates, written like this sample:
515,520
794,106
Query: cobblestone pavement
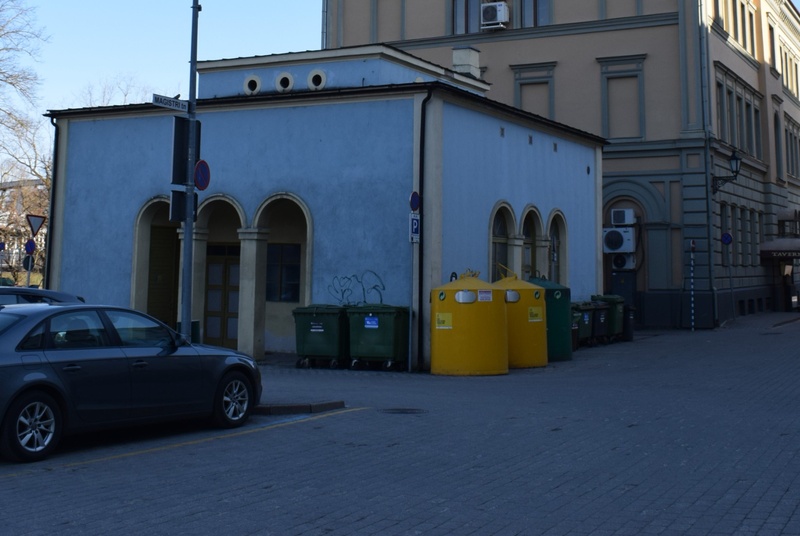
677,432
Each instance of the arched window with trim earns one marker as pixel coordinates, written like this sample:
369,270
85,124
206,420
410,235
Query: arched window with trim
499,245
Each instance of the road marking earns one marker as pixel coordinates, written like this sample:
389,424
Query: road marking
237,433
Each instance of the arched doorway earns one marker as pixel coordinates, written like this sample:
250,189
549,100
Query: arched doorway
222,272
287,268
156,272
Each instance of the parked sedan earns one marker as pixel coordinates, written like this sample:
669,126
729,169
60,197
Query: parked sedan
9,295
73,367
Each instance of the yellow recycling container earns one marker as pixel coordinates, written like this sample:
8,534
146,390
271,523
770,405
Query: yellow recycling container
526,322
468,328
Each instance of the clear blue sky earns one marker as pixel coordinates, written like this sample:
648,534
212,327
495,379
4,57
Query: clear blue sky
149,41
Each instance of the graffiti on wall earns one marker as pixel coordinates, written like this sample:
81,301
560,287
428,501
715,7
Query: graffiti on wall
357,290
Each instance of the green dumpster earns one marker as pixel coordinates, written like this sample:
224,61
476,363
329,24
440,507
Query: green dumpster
321,332
379,333
616,313
585,313
559,319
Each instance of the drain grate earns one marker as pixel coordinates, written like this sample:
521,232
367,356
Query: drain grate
403,411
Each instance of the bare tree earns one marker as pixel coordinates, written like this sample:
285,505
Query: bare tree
19,38
122,89
25,180
25,162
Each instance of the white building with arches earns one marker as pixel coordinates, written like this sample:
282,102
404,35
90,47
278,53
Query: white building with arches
314,159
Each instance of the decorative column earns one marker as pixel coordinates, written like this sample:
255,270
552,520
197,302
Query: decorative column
253,291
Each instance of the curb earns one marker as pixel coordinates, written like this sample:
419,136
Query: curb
293,409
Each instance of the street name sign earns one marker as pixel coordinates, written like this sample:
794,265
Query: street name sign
169,102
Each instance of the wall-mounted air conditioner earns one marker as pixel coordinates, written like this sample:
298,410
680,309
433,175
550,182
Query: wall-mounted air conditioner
623,261
622,216
494,15
619,240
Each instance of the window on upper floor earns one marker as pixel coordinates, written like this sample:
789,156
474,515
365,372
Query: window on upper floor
622,94
533,88
466,16
738,113
535,13
737,17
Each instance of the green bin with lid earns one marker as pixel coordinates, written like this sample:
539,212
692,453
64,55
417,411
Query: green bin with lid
558,312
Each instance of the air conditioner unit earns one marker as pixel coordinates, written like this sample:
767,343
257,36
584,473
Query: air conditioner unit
622,216
494,15
619,240
623,261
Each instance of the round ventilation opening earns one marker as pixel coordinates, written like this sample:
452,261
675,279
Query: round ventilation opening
252,85
316,80
284,83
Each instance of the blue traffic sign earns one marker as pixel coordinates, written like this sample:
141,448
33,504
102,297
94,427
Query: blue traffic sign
30,246
727,238
202,175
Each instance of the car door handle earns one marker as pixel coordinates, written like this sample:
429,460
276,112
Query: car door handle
72,368
140,364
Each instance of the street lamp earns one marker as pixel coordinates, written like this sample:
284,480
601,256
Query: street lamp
735,164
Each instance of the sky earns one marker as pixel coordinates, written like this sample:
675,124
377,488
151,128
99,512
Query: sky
148,42
93,42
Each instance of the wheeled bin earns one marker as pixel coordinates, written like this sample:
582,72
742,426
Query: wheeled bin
321,335
616,314
584,311
600,322
379,334
559,319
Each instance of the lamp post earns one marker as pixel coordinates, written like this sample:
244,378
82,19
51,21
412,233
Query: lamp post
735,164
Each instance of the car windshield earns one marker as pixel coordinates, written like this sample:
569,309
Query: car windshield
7,320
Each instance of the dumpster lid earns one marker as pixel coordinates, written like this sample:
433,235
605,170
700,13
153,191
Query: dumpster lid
546,283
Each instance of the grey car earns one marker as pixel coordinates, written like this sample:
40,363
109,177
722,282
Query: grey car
66,368
9,295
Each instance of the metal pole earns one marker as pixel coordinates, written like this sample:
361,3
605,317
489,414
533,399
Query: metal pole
188,224
691,282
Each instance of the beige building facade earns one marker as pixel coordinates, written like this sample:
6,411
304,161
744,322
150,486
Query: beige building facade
680,89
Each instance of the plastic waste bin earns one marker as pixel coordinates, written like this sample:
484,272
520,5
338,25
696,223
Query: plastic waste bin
378,333
628,322
576,319
599,322
321,334
616,313
585,313
526,322
468,328
559,319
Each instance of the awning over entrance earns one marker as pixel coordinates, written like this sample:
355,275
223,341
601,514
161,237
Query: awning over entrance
781,248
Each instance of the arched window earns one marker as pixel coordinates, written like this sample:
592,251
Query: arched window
499,245
558,251
528,248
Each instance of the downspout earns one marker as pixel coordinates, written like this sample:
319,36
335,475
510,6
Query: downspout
49,239
421,265
704,87
324,24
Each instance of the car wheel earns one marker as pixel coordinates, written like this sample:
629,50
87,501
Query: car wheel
32,427
233,401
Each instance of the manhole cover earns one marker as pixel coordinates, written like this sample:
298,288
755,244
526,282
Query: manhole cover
403,411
